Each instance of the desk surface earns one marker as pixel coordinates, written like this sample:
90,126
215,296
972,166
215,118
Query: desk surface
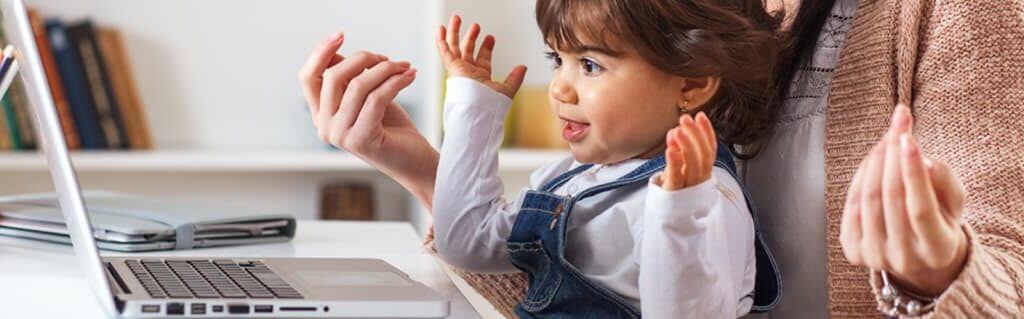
43,280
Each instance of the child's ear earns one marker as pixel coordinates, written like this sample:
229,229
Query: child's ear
696,92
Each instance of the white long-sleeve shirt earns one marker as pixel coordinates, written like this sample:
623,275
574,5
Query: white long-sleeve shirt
679,253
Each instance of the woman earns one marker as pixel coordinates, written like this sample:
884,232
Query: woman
845,174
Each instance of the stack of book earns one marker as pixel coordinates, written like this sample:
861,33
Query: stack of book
93,90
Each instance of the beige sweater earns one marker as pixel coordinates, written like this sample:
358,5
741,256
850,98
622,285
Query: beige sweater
960,65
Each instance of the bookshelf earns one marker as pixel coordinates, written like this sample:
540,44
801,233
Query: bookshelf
512,161
217,81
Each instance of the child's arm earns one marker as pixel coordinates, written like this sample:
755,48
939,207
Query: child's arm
697,242
471,219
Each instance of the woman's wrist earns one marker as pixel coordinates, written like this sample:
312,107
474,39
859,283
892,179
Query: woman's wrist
933,283
418,180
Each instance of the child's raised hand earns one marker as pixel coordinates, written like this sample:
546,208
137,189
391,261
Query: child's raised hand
459,60
690,154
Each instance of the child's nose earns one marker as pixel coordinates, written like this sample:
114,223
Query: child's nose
562,91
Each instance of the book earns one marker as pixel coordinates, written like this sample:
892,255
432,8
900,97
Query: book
83,36
11,122
22,114
67,121
5,138
346,201
76,87
119,69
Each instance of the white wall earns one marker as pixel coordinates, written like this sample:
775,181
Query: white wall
518,40
221,74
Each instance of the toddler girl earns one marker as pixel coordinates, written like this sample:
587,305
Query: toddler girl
646,216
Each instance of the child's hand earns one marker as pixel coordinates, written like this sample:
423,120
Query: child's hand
459,61
690,155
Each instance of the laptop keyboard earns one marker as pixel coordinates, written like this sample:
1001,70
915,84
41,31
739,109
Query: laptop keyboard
210,279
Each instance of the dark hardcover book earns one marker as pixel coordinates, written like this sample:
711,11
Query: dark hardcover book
83,36
133,114
76,87
67,121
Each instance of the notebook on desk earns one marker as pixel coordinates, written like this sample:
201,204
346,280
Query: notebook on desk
124,222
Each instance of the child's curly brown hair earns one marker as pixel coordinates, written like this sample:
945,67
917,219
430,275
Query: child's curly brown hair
735,40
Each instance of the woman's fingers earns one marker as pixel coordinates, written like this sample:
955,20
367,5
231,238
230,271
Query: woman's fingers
357,92
672,177
453,36
871,210
897,228
336,80
922,205
948,189
483,58
369,121
311,74
469,43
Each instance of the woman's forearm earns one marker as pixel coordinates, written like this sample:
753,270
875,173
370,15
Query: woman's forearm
418,180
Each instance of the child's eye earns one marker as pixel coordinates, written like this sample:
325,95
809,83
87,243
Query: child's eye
556,61
590,67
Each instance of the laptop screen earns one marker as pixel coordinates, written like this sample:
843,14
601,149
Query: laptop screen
18,32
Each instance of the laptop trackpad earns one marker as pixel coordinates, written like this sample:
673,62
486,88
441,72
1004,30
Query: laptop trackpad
350,279
330,278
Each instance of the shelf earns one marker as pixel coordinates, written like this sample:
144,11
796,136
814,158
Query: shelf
238,161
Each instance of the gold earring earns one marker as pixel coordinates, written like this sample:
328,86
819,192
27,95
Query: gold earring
684,109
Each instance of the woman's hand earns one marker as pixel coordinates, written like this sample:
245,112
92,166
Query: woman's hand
459,61
903,214
352,107
690,153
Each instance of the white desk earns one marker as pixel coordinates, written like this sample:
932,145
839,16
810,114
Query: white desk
42,280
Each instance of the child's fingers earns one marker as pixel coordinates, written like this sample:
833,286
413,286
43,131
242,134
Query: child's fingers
453,36
692,152
515,79
483,57
708,132
697,134
671,178
469,43
442,45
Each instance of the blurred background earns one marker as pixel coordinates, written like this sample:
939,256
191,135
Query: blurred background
208,105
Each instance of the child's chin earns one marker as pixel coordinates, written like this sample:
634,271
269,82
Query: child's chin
582,154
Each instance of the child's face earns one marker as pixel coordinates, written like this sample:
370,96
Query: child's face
613,107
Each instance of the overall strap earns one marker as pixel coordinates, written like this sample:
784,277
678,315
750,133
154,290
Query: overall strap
640,174
551,185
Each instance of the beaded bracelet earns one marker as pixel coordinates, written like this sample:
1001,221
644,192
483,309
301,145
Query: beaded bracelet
902,303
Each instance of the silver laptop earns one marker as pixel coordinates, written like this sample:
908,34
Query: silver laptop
154,287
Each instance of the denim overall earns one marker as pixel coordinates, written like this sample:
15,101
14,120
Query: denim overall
558,289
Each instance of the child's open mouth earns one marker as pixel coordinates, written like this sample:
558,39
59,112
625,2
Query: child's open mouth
574,131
